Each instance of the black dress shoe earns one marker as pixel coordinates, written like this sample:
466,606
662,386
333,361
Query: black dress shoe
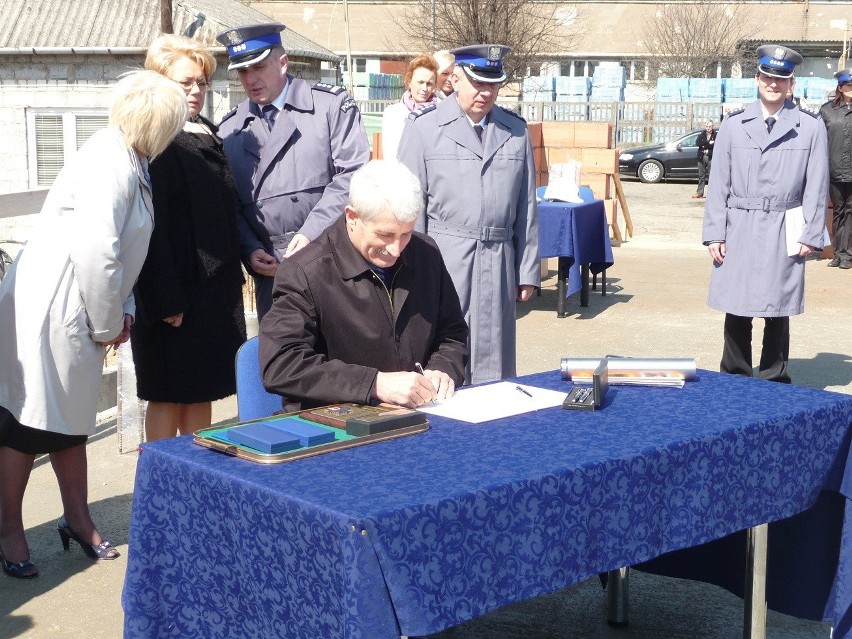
845,264
834,262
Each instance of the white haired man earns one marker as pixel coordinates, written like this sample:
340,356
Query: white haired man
355,311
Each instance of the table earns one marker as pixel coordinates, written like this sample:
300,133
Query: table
415,535
578,234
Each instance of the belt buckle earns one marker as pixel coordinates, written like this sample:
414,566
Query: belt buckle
485,234
766,205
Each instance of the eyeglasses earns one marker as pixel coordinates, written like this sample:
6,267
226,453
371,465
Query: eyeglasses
188,84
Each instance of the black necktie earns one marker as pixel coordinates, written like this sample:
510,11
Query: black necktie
477,128
270,112
770,122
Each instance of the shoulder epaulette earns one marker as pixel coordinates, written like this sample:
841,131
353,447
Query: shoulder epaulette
810,112
228,116
328,88
734,112
416,114
510,112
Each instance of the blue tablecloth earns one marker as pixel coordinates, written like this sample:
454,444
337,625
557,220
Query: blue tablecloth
418,534
577,232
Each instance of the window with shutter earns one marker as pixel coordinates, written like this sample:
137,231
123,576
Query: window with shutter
86,125
54,136
50,148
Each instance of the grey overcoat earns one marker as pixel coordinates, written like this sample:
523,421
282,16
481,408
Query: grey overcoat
295,178
481,211
71,285
755,177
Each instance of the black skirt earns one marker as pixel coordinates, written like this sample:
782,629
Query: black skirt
32,441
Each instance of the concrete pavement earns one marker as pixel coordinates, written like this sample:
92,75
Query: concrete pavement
655,306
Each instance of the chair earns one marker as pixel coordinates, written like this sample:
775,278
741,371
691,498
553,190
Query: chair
253,400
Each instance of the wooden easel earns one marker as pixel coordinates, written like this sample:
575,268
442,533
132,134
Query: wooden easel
622,201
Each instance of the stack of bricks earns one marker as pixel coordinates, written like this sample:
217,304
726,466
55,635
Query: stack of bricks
589,143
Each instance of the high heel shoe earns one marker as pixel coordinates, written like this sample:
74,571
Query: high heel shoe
104,550
21,570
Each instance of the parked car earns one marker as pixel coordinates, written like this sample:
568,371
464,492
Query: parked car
657,162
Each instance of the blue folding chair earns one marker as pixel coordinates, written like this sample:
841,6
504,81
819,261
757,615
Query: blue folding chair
253,400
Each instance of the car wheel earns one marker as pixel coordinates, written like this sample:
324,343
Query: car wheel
650,171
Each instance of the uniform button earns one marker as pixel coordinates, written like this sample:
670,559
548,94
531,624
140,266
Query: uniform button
294,198
259,204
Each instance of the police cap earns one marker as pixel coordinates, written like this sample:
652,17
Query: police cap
777,61
482,62
250,44
843,76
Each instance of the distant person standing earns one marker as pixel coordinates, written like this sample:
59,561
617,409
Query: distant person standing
446,61
420,78
769,157
837,115
293,147
706,140
475,163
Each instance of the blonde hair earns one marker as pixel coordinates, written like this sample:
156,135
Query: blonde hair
168,49
423,61
446,60
149,109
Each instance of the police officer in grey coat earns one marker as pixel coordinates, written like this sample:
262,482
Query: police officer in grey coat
770,157
293,148
475,162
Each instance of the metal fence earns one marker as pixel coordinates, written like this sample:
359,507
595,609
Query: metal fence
633,123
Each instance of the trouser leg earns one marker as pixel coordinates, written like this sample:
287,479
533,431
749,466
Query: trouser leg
776,350
736,354
702,176
263,294
841,202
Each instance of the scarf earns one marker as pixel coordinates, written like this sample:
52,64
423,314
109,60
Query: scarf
411,105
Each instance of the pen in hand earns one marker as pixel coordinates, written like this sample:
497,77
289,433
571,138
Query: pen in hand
420,370
524,391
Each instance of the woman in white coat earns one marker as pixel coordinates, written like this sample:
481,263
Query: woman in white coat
420,78
67,298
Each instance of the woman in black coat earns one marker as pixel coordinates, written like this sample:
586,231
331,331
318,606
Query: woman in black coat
189,295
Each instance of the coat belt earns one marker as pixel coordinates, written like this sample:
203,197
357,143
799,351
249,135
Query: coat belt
764,204
481,233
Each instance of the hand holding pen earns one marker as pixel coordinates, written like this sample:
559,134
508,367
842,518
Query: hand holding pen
441,382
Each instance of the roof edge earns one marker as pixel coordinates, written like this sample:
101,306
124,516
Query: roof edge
328,57
71,50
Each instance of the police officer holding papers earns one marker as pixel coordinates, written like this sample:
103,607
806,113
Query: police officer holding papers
292,146
475,163
770,163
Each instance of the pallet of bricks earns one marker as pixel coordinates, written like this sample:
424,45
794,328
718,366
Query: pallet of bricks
589,143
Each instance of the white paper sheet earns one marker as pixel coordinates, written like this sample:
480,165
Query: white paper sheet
794,226
479,404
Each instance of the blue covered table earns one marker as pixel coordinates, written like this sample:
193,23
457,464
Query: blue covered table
411,536
578,234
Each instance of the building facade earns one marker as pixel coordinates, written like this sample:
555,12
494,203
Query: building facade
59,60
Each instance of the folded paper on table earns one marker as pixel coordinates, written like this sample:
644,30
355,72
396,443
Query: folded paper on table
634,371
477,404
563,182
